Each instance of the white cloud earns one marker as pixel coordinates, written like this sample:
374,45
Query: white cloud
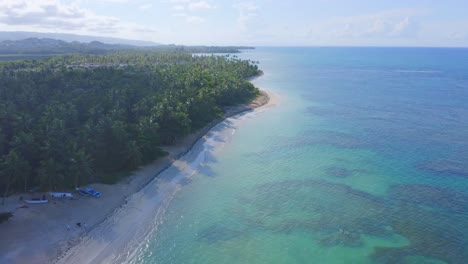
199,5
178,7
190,7
455,31
247,6
179,1
54,15
247,12
116,1
145,7
388,24
195,19
190,18
406,27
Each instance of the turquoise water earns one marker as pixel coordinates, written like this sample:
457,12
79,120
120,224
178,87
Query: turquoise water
364,159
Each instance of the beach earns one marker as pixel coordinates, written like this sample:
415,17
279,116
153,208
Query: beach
41,233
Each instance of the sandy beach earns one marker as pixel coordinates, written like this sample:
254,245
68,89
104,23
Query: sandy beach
39,233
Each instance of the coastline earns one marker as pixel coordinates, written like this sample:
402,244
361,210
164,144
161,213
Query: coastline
39,233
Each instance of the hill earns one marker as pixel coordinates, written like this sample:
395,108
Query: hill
19,35
54,46
35,48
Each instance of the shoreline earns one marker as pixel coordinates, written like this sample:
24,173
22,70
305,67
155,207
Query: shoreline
39,233
187,143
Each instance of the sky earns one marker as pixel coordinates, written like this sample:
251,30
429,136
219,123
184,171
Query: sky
249,22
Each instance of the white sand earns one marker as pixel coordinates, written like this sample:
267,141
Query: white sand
38,234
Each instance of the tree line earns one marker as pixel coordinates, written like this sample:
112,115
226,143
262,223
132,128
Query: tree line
43,46
71,120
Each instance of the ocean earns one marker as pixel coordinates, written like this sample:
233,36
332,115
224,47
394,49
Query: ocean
362,159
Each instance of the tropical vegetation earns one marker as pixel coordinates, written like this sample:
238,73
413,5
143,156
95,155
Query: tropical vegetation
70,120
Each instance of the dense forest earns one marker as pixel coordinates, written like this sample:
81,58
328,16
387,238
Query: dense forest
70,120
46,46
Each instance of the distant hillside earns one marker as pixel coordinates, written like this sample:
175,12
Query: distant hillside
31,48
18,35
54,46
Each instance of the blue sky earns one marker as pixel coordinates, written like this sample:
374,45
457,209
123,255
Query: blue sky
249,22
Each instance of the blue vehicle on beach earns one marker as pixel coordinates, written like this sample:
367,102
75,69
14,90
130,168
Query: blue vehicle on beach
93,192
88,191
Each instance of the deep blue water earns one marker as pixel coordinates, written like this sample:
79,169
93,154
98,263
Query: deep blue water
408,104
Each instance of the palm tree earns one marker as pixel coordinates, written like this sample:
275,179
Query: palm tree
13,167
81,168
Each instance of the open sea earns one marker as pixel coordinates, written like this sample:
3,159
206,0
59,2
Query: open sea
362,159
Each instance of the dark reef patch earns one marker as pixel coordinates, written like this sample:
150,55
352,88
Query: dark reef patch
338,172
437,235
324,207
436,197
342,237
456,168
341,215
